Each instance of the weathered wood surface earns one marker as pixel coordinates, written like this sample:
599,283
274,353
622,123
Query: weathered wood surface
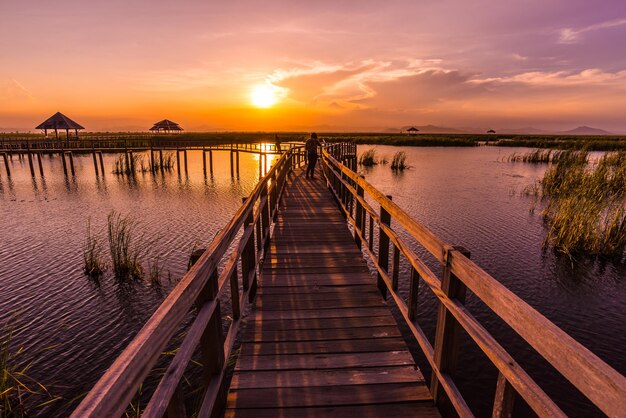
321,341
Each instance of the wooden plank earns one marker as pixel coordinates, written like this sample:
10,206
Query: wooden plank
327,395
325,361
314,290
327,347
399,410
328,323
303,378
321,304
320,334
316,313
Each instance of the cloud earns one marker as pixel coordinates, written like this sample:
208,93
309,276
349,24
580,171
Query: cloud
587,77
13,91
571,35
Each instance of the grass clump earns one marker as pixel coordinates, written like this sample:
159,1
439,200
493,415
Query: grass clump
124,254
586,204
127,164
369,158
16,387
398,162
93,265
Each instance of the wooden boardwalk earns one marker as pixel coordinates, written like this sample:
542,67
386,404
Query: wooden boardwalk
321,341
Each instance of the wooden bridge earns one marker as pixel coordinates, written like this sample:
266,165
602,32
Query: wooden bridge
320,339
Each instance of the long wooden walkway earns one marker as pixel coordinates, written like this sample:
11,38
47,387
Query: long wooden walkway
321,341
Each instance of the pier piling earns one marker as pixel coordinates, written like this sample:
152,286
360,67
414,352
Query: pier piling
95,162
30,164
69,153
101,163
40,164
5,157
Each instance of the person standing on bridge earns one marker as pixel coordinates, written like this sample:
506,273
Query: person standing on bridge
311,152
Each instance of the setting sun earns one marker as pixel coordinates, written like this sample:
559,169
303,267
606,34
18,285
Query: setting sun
263,96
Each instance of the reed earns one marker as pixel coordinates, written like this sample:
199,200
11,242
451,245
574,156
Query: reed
123,246
157,272
369,158
17,389
585,211
128,164
398,162
93,262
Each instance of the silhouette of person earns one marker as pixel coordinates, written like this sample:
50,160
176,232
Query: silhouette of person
311,152
277,143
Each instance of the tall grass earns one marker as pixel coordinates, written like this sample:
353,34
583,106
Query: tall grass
16,387
398,162
586,204
123,246
92,255
369,158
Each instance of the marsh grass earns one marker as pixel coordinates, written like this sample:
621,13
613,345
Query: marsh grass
17,389
94,264
585,209
157,272
398,162
124,246
369,158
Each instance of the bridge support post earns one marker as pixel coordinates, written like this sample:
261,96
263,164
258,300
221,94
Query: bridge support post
62,154
178,161
152,165
383,249
95,162
161,159
101,163
40,164
185,157
446,345
5,157
71,158
30,164
204,161
237,161
132,162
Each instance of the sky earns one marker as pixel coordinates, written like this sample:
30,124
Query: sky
121,65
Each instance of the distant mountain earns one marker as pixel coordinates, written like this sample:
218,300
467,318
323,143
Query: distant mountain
585,130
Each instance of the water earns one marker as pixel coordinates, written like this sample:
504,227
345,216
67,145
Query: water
73,327
472,197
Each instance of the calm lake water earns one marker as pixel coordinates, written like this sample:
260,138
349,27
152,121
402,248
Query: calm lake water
72,327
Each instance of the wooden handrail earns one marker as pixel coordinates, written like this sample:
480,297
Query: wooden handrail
201,286
600,383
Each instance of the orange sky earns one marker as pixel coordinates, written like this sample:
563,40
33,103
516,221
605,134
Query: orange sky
358,65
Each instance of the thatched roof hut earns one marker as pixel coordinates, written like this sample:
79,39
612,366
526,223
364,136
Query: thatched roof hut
166,126
59,121
491,131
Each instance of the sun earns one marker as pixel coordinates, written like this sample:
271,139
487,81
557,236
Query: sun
263,96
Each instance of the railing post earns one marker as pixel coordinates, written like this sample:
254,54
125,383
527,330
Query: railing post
447,334
383,248
504,399
212,340
265,218
248,257
395,267
359,215
413,293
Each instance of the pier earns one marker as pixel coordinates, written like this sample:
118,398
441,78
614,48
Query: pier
310,270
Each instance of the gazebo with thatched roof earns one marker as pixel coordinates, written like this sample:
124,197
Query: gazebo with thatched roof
59,121
412,130
491,131
166,126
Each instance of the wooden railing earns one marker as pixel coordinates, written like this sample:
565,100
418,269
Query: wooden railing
601,384
247,235
121,142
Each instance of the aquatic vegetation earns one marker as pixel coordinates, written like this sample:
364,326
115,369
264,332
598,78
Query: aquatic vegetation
537,156
398,162
16,387
94,264
157,271
127,164
369,158
585,211
123,246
